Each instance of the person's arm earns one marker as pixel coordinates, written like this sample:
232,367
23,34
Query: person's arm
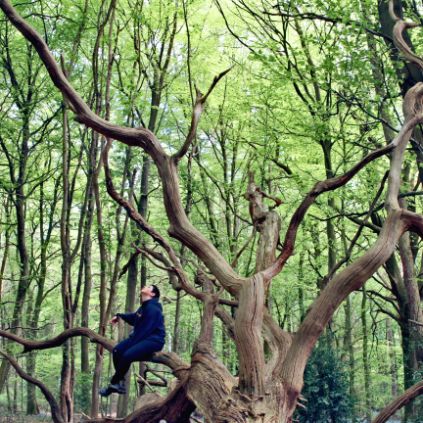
128,317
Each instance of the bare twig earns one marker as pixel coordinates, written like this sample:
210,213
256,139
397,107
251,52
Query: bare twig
200,101
416,322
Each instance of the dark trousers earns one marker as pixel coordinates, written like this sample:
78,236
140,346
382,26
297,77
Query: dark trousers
126,352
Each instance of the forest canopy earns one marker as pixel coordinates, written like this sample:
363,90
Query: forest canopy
259,161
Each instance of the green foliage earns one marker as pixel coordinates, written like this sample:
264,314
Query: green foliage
82,397
326,388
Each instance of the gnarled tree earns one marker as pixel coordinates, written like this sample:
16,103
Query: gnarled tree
268,386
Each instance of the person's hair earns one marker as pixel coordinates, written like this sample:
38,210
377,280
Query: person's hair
156,291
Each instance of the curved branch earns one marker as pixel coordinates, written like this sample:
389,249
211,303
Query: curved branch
169,359
398,39
324,307
131,136
415,222
399,402
319,188
413,109
56,415
414,117
30,345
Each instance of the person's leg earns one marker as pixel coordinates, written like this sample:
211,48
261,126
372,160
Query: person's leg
125,354
117,383
121,365
142,351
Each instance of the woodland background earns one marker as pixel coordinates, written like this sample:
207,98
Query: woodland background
313,87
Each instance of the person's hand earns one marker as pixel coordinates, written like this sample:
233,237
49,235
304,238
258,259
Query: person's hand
114,320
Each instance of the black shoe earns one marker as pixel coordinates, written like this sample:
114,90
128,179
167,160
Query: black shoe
117,388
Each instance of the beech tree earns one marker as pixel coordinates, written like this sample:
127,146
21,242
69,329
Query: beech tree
271,360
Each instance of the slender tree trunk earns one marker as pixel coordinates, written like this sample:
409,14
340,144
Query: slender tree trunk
67,372
86,258
31,402
300,289
326,145
5,247
15,396
109,302
20,207
412,334
131,295
104,308
390,343
366,365
349,347
4,365
45,236
348,337
176,325
86,255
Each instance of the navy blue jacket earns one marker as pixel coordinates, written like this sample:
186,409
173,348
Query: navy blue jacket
148,322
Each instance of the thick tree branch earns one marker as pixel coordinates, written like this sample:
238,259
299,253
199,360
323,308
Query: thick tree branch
413,112
168,359
206,332
248,336
176,407
399,402
415,222
30,345
398,39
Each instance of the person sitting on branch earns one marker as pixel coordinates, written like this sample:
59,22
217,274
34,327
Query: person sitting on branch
147,337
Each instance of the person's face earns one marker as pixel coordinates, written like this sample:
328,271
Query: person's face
147,292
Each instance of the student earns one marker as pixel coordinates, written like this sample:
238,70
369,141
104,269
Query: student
147,337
